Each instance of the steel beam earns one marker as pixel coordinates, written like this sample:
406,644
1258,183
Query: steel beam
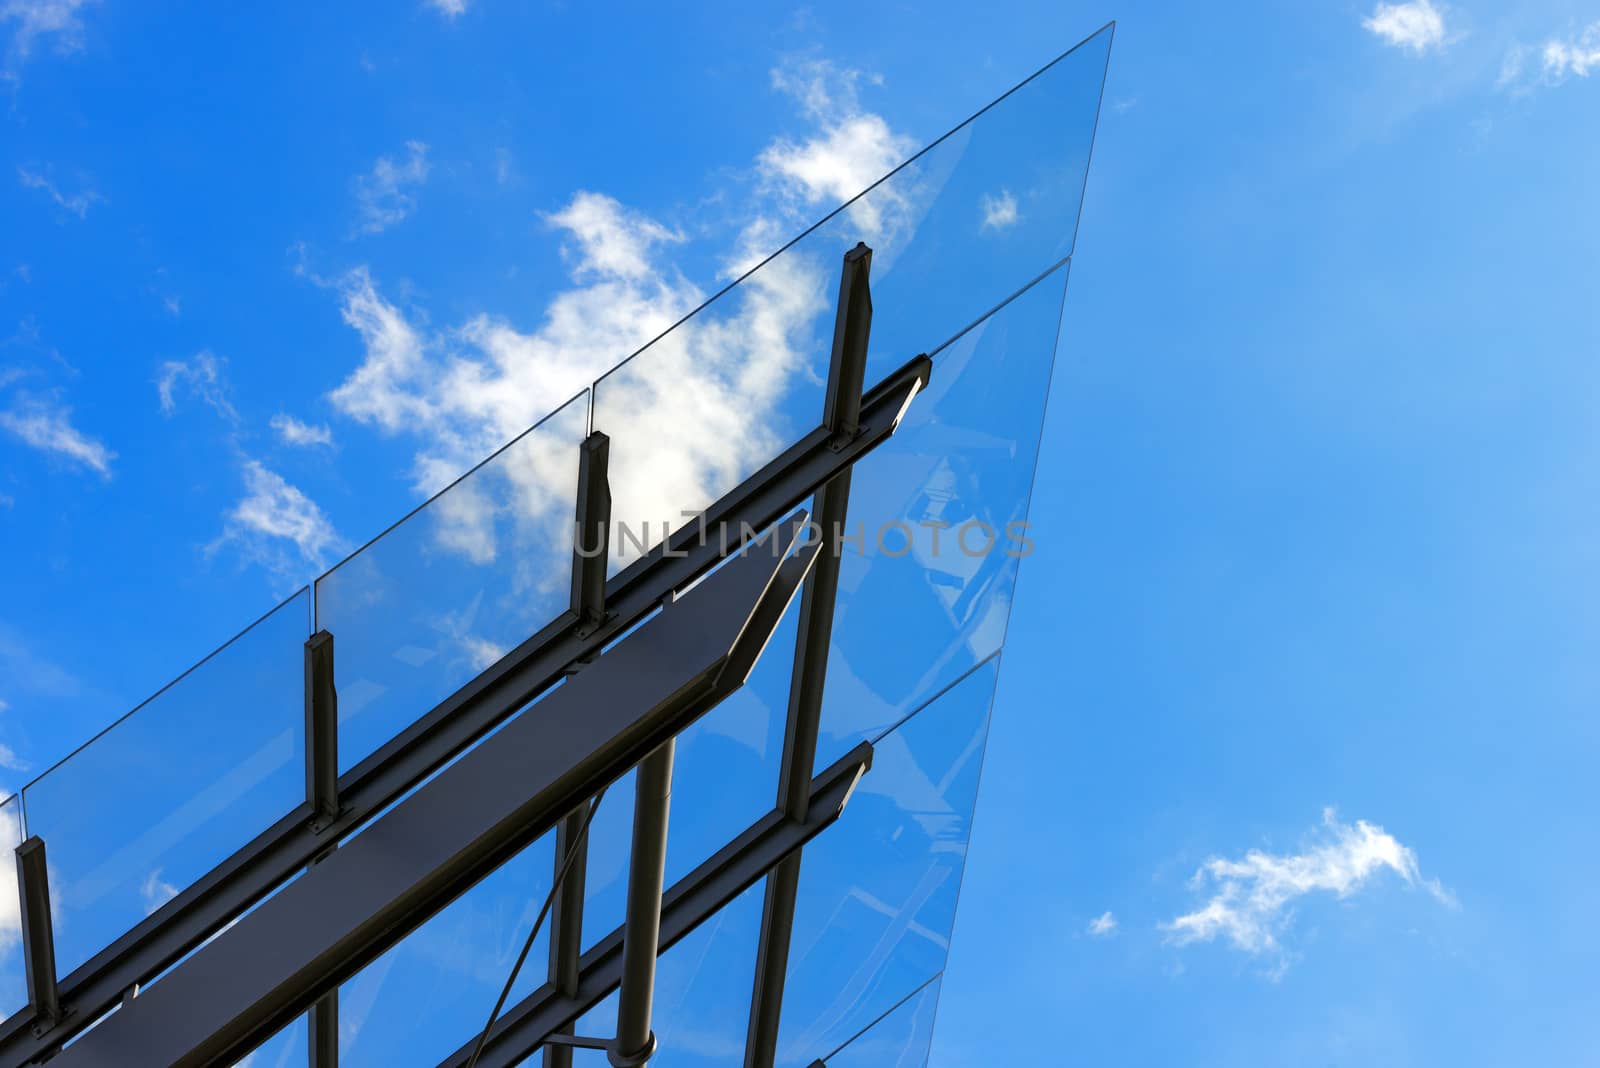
591,534
282,850
457,828
851,329
635,1043
566,916
322,732
692,900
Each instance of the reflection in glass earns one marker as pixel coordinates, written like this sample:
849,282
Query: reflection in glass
176,786
878,889
940,510
13,976
454,586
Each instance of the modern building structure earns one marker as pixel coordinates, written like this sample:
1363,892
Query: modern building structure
657,736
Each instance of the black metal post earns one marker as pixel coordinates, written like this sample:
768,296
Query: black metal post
841,415
38,934
852,325
566,931
322,732
635,1043
591,533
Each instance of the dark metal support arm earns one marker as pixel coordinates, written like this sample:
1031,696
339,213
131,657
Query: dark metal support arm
457,828
635,1043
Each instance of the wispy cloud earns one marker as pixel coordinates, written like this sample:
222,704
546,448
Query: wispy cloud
201,377
851,149
36,21
278,526
999,212
156,892
77,203
1103,925
449,8
1252,899
292,431
46,424
1416,26
384,197
1577,57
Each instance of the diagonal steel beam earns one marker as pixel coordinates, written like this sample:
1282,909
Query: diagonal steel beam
692,900
496,800
282,851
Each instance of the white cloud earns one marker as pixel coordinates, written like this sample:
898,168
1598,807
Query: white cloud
1251,902
293,432
40,20
384,196
1577,57
279,526
1103,925
156,892
449,8
77,203
851,149
1416,25
202,376
999,212
47,426
698,409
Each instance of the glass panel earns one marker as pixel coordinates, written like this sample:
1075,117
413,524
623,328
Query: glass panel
702,1003
422,999
173,788
956,230
940,509
899,1040
448,590
13,977
878,889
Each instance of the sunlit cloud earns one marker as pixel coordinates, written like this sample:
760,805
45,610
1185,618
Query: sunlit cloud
999,212
384,197
1251,902
1103,925
1578,57
278,526
292,431
1416,26
45,424
201,377
33,22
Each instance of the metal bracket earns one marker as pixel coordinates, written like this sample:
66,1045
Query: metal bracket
591,535
38,935
322,732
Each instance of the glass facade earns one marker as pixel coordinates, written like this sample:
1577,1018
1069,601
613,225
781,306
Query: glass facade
935,531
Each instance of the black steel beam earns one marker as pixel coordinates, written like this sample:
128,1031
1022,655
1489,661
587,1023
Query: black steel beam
281,851
635,1043
457,828
38,934
851,330
690,901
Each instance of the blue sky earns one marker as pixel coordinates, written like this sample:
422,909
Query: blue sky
1315,496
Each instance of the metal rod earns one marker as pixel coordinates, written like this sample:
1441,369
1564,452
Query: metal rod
566,931
38,934
635,1043
322,732
591,532
322,1032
